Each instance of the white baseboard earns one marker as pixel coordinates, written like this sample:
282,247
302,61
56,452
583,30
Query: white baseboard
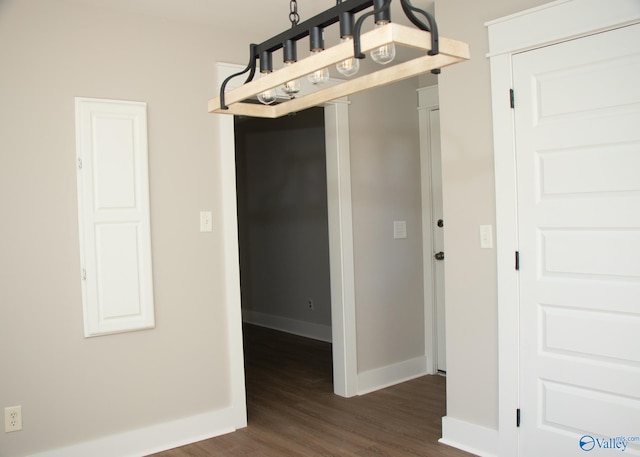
156,438
469,437
284,324
379,378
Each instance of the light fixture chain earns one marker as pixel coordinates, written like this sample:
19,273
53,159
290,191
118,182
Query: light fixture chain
294,17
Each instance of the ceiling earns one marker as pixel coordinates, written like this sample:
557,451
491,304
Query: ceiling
262,18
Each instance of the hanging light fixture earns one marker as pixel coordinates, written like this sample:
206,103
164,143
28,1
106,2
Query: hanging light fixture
316,40
436,52
266,67
290,53
349,66
292,87
387,52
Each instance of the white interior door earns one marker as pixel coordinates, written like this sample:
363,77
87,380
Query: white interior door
577,118
433,229
438,238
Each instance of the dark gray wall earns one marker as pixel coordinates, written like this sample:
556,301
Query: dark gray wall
282,216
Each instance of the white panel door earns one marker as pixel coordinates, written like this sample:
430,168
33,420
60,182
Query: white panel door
113,196
577,117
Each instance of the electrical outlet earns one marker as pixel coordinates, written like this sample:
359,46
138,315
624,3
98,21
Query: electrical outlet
310,304
12,419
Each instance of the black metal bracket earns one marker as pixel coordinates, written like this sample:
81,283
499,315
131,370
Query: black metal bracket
357,52
432,27
250,66
327,18
409,10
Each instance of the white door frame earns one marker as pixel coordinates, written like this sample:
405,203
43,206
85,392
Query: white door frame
427,101
545,25
341,258
343,316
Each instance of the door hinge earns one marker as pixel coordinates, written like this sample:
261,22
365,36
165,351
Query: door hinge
512,99
84,274
517,260
518,417
79,163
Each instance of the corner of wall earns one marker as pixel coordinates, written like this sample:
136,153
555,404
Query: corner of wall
469,437
379,378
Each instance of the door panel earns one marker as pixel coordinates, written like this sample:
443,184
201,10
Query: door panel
577,123
114,219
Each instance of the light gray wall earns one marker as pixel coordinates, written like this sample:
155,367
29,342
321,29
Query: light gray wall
74,389
283,224
385,181
71,388
469,201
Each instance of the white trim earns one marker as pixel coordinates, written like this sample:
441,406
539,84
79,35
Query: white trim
390,375
340,245
469,437
506,246
427,101
563,20
341,257
558,21
150,440
284,324
227,179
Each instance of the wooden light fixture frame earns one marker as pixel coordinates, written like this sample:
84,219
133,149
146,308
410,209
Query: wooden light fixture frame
438,52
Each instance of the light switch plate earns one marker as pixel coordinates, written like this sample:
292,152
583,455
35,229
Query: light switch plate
399,230
486,237
206,221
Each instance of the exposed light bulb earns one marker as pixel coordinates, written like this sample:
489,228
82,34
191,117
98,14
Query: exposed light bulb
266,67
290,88
348,67
316,46
319,76
268,96
385,53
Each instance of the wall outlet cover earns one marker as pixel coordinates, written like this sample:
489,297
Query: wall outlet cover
12,419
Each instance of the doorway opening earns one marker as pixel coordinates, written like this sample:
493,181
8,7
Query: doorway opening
281,187
338,169
343,319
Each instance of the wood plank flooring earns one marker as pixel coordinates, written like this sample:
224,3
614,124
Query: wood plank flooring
292,410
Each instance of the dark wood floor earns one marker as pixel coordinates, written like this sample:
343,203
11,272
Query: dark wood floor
292,410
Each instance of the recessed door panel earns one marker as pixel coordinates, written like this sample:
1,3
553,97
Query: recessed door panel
114,219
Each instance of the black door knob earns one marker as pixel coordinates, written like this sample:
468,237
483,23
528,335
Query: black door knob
440,223
439,255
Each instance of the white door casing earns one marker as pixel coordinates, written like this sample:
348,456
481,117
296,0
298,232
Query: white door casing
563,20
438,239
432,235
577,132
343,320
